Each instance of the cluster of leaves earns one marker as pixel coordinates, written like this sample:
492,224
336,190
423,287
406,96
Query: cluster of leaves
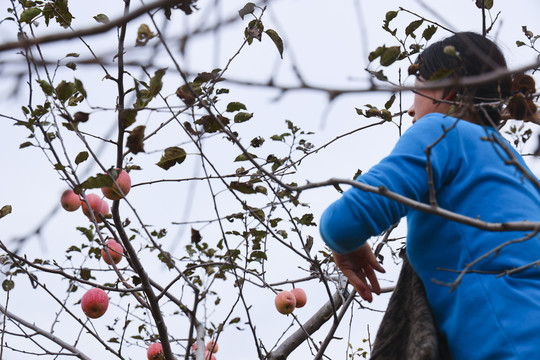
55,9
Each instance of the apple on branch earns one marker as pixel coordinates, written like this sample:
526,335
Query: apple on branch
124,183
155,351
285,302
98,206
70,201
211,346
114,249
300,295
94,303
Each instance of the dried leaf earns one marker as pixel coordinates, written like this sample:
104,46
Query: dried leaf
135,142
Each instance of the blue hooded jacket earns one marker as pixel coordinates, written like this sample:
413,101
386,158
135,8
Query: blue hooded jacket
487,316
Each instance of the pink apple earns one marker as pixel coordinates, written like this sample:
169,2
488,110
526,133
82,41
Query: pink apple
124,183
114,249
70,201
155,351
212,346
97,205
301,297
94,303
285,302
104,208
209,356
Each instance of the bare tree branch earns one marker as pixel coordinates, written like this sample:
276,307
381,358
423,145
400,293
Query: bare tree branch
96,30
76,352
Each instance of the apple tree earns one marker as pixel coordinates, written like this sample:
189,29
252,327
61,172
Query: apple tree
175,184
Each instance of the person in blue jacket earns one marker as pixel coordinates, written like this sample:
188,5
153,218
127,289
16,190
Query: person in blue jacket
493,311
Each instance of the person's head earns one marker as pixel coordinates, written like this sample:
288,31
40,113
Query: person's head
459,56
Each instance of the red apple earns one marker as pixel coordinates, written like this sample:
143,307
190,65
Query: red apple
301,297
98,206
94,303
212,346
209,356
104,208
155,351
70,201
124,183
114,249
285,302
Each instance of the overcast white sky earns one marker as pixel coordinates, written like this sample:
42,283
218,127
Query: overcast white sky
328,42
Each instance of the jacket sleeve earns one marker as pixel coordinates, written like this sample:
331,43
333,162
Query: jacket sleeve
348,222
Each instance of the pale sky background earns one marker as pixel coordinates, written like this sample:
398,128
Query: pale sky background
329,43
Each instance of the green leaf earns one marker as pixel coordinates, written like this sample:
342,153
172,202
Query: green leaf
71,65
7,285
276,39
520,43
156,82
390,55
173,155
46,87
86,232
165,257
243,157
244,188
86,274
25,144
72,55
135,140
144,34
79,87
429,31
261,189
379,75
389,103
5,210
376,53
102,18
81,157
242,117
129,116
73,248
29,14
249,8
409,30
307,219
390,15
487,3
210,124
258,255
65,90
59,10
235,106
98,181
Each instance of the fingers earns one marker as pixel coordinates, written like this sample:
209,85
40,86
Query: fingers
372,277
359,267
361,286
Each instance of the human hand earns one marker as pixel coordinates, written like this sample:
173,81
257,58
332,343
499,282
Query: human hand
359,265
